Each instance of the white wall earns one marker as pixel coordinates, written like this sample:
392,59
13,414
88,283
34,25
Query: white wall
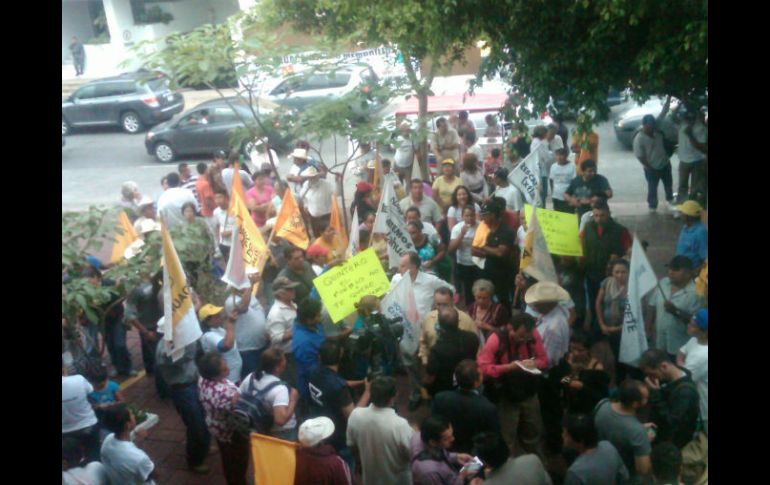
75,20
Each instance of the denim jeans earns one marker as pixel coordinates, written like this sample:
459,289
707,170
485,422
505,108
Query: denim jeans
653,177
89,439
187,404
250,359
115,339
543,190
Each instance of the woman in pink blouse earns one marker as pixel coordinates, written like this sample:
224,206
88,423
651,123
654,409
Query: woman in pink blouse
218,397
259,198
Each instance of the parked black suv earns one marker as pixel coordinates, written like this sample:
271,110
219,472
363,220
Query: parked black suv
131,100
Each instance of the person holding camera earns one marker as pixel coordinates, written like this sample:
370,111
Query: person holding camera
511,361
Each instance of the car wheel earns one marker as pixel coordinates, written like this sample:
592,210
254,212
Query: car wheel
130,122
164,153
65,127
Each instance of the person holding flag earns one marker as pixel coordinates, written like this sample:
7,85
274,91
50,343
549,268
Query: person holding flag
175,355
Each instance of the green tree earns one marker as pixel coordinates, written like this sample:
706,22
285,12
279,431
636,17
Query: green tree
578,50
437,31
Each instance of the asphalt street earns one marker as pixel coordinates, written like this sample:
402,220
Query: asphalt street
96,162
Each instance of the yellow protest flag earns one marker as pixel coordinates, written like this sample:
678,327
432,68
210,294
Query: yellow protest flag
251,239
275,460
289,224
123,238
236,187
335,221
377,178
480,238
180,323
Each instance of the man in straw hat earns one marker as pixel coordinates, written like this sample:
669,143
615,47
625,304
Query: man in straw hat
146,215
693,240
317,461
542,301
297,174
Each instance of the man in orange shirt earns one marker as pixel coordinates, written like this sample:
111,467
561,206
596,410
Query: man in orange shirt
205,194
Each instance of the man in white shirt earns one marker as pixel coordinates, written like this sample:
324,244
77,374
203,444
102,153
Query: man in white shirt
317,196
429,209
424,286
514,200
693,155
78,420
381,437
545,158
414,214
280,321
75,471
554,140
171,201
469,140
561,175
694,356
188,179
251,335
297,176
404,152
123,460
220,337
259,156
225,223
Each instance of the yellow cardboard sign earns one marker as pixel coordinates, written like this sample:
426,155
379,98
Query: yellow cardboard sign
560,230
343,286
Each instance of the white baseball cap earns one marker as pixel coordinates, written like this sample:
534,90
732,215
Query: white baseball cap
315,430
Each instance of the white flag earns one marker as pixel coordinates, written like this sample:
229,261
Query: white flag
388,198
536,261
641,279
235,273
390,221
354,235
526,177
400,303
180,326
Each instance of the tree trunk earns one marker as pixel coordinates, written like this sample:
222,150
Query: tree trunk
422,124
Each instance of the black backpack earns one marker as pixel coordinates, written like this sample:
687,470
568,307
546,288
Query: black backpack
252,412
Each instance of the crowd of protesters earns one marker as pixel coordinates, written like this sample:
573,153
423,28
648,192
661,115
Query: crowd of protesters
511,372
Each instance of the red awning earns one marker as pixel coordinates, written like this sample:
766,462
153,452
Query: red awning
455,102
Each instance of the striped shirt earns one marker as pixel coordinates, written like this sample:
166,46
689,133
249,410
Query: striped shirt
190,185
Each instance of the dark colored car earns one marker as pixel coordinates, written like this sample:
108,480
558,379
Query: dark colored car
203,130
132,101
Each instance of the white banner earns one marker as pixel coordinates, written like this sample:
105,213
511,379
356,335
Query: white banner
641,279
400,303
354,235
536,260
235,273
526,176
390,221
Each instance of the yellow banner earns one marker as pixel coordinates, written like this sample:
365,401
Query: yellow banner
275,460
342,286
123,237
251,239
341,237
181,301
236,187
480,238
289,224
560,230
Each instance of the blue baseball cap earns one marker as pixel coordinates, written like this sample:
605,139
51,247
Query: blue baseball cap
701,319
